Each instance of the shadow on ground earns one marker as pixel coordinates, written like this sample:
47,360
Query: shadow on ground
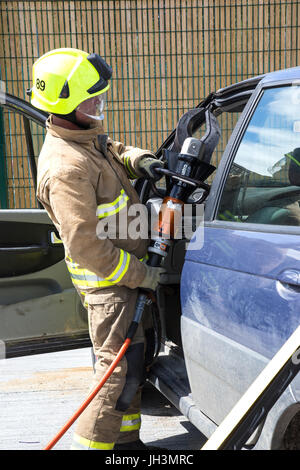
167,428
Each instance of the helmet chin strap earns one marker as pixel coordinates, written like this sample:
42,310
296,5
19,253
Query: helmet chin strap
71,117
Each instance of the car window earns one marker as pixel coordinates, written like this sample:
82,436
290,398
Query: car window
16,180
263,185
38,133
227,122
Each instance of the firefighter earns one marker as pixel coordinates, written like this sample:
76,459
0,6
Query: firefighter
85,177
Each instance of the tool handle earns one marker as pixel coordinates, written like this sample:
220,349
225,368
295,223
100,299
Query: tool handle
185,179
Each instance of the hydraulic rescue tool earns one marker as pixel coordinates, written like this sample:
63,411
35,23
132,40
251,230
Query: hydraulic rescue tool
187,167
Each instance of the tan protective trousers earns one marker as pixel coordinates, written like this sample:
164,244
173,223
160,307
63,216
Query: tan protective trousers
114,414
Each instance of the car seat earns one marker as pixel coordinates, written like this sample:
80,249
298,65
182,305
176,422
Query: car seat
283,211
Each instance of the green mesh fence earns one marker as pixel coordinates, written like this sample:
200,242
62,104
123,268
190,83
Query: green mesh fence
166,56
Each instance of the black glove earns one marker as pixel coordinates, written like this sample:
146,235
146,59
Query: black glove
147,166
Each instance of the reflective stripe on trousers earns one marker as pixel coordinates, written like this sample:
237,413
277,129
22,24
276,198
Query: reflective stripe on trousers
129,423
81,443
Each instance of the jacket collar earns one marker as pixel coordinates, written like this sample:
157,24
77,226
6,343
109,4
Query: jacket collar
101,143
81,135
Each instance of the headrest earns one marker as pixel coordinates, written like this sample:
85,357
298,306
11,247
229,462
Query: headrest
294,168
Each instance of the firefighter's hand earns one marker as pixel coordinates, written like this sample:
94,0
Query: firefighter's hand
147,166
152,277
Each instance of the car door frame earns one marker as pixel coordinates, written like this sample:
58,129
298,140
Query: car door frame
28,112
216,191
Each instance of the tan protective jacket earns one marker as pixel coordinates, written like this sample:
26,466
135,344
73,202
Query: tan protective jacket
83,176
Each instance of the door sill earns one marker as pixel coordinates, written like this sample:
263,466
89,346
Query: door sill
169,375
46,345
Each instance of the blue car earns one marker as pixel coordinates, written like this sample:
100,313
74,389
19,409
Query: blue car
240,291
230,297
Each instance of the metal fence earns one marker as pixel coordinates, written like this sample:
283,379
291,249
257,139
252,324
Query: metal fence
166,56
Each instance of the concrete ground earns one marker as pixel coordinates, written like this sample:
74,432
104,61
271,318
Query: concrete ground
38,394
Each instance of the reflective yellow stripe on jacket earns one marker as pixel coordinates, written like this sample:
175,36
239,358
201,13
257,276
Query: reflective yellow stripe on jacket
111,208
83,278
128,167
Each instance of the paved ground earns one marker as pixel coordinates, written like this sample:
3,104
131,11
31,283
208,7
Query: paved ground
38,394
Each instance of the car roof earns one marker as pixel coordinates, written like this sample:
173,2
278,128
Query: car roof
291,74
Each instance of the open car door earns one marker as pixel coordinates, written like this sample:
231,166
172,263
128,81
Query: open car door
40,310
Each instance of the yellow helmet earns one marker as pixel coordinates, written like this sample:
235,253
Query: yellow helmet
64,78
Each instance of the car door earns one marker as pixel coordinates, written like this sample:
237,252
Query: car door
240,292
39,308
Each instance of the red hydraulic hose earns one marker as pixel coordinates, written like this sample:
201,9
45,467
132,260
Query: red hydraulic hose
107,374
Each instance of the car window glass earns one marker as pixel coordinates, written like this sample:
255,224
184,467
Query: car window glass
227,122
38,133
263,185
16,182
